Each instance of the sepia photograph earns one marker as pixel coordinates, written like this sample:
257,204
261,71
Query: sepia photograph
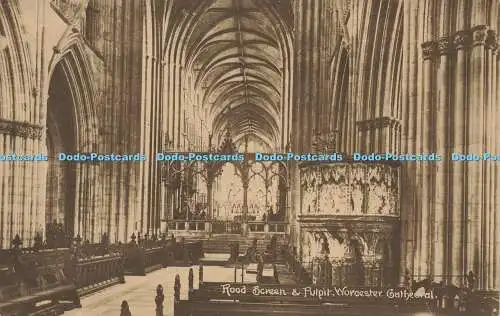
249,157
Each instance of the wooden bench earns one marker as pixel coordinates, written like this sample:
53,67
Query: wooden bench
140,260
230,308
218,298
145,258
95,273
37,283
263,293
267,299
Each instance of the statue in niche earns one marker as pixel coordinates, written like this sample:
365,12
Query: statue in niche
382,195
325,249
373,199
306,200
309,199
317,245
326,203
309,250
357,199
392,202
341,203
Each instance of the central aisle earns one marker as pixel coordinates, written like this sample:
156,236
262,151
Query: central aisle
140,293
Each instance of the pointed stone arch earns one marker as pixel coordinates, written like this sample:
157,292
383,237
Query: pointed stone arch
16,84
70,55
71,127
20,132
338,116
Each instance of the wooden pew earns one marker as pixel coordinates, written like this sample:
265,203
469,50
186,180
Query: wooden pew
188,252
266,299
95,273
252,299
187,308
263,293
140,260
37,283
484,302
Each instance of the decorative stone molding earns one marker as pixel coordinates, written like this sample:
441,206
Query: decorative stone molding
379,122
492,41
444,46
429,50
461,40
465,39
21,129
479,34
324,142
358,254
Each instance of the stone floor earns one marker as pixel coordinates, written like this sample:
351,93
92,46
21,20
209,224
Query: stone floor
140,291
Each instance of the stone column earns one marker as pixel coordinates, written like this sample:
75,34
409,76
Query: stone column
441,135
410,92
370,258
295,206
457,170
425,172
244,208
496,189
315,36
372,271
495,219
475,143
490,183
22,210
210,211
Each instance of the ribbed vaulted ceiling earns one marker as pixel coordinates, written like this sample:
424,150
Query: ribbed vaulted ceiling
236,56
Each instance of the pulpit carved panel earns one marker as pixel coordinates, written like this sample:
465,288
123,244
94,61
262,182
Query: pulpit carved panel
354,256
350,189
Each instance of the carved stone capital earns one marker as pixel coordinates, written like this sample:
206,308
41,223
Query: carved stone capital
21,129
377,123
462,39
492,41
479,34
444,46
429,50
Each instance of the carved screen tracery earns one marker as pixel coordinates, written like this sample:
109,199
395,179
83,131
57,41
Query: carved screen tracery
228,195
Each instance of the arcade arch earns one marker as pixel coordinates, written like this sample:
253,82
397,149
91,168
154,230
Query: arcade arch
71,128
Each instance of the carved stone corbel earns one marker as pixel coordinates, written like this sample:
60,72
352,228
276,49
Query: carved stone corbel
492,41
479,34
444,46
462,40
429,50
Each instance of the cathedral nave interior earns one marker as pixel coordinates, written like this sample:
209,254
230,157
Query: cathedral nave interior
240,77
